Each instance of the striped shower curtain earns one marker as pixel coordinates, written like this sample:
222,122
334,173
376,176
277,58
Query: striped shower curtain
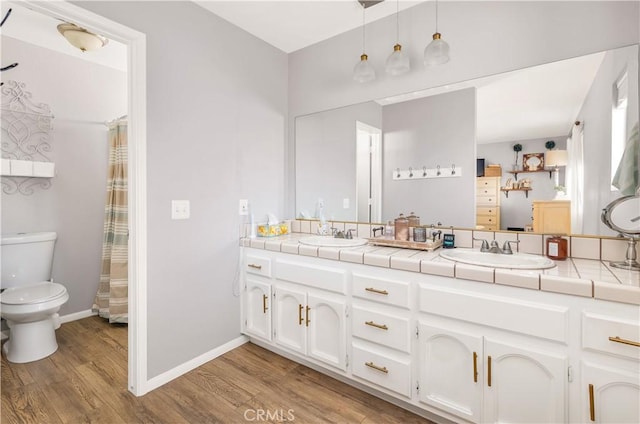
111,300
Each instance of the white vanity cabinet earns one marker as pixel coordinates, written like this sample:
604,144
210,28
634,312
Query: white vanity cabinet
256,304
310,310
610,383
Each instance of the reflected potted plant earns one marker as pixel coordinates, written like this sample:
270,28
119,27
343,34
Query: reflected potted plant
517,148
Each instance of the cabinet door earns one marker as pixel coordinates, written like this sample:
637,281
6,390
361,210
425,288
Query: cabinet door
523,385
327,335
289,309
450,366
610,395
257,309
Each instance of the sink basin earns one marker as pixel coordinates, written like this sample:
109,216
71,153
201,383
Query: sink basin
494,260
325,241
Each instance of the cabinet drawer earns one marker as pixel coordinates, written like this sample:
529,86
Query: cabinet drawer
487,200
385,329
597,329
318,276
388,372
486,191
381,290
486,220
490,183
486,211
258,265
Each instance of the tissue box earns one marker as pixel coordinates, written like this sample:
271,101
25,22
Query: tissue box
273,230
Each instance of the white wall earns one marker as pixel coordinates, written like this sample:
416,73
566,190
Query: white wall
435,130
485,37
82,95
596,116
515,210
216,119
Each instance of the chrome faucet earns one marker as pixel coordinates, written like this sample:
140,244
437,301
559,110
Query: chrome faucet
485,244
343,234
495,248
506,248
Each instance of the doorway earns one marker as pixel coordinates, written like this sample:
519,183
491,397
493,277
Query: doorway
368,173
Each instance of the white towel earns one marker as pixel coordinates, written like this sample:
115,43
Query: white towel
627,178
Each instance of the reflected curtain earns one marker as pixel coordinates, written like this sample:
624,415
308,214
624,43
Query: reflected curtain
575,177
111,301
627,177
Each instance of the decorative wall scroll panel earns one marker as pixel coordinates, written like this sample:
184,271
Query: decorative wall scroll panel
26,136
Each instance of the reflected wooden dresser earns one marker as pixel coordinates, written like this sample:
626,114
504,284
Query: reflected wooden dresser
488,203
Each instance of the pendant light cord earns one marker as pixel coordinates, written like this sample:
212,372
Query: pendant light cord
363,9
436,15
398,21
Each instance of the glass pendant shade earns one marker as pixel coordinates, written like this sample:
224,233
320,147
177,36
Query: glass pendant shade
363,71
437,52
398,62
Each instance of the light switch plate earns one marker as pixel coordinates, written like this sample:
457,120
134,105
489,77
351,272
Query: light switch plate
243,207
345,203
180,209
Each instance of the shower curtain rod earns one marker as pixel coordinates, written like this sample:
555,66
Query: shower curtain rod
115,121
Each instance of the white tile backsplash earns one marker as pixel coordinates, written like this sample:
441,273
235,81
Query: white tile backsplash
614,249
530,243
585,247
464,238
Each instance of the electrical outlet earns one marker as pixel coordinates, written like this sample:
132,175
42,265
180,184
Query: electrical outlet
243,207
180,209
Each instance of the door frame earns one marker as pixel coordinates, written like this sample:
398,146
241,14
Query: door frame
137,171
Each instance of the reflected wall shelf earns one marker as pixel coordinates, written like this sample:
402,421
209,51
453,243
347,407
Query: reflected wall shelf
515,173
507,190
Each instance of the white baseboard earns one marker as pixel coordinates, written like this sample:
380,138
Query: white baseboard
76,316
176,372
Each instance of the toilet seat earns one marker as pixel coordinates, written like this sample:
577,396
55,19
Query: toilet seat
34,293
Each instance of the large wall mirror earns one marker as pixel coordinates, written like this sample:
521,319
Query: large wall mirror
348,159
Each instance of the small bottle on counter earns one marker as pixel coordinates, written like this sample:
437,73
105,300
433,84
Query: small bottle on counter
402,228
420,234
557,248
388,229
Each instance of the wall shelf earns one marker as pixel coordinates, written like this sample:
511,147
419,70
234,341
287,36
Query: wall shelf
515,173
507,190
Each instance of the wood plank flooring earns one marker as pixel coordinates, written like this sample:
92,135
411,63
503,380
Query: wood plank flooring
86,379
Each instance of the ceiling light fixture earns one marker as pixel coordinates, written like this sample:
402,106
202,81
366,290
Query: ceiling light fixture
398,63
81,38
363,71
437,52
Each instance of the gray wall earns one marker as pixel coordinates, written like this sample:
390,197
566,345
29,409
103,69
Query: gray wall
515,210
596,115
216,116
82,95
326,157
436,130
485,37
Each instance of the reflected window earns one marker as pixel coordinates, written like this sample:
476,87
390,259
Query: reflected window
618,122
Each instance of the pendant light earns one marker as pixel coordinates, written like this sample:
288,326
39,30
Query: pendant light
363,71
437,52
398,62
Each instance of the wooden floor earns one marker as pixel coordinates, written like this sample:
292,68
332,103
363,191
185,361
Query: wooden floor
86,379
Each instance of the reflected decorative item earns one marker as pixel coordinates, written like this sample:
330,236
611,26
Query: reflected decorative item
517,148
533,161
550,144
622,215
81,38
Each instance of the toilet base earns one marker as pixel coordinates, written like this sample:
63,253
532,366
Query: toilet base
30,341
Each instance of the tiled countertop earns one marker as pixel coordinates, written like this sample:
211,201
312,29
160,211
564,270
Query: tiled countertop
578,277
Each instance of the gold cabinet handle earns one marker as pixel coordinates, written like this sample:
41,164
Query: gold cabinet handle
624,341
380,326
489,371
592,406
264,304
377,367
371,289
254,266
307,316
300,320
475,367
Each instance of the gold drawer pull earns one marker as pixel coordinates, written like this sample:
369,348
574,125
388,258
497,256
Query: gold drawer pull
475,367
624,341
254,266
300,319
380,326
264,304
592,406
489,371
307,316
377,367
371,289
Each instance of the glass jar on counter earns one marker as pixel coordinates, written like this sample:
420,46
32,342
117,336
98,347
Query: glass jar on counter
401,225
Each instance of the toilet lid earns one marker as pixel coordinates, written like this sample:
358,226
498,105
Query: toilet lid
34,293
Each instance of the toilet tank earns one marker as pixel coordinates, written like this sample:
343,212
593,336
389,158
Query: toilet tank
27,258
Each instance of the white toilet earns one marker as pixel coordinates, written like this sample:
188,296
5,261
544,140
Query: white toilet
30,301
